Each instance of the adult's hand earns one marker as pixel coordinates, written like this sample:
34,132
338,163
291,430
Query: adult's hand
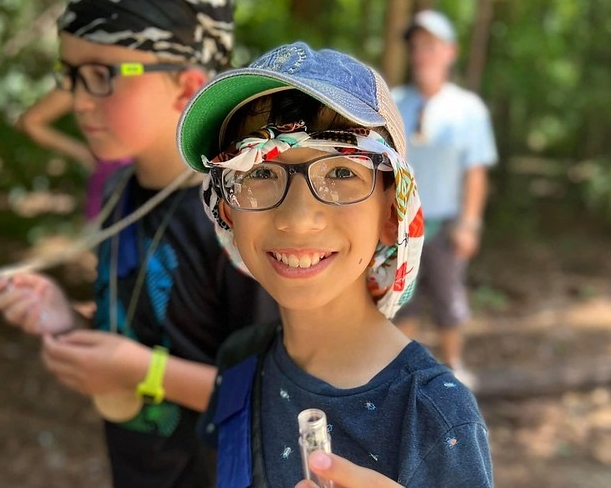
466,240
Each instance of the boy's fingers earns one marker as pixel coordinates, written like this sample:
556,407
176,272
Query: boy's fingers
20,311
345,474
55,352
4,283
81,337
49,350
8,296
58,358
306,484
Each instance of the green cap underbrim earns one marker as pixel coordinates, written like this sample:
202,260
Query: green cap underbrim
201,122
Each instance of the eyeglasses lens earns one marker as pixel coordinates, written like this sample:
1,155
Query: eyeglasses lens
332,179
96,78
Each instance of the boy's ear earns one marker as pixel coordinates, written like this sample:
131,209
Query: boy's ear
190,81
225,213
390,226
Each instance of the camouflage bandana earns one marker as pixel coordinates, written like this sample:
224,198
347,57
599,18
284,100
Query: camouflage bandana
393,269
196,31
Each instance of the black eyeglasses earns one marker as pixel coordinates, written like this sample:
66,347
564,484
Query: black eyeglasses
334,179
97,78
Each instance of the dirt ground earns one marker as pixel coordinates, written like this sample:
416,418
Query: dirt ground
536,312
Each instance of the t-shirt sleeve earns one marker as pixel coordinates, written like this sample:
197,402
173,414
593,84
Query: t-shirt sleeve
480,146
460,459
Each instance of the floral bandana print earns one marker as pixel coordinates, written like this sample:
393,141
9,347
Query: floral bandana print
393,269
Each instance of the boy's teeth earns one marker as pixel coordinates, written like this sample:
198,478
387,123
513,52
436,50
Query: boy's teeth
293,261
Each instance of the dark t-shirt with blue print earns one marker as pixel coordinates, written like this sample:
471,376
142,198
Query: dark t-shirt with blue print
413,422
190,300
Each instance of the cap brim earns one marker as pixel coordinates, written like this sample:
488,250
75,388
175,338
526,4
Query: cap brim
200,124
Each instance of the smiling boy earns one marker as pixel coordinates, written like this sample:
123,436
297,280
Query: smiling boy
310,194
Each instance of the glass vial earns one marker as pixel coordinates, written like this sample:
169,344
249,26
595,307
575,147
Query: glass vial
313,436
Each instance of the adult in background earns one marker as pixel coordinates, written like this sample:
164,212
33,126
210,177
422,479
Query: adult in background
450,146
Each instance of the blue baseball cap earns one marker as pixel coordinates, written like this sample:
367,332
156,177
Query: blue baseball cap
434,22
337,80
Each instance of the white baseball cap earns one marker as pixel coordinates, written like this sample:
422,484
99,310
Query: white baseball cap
434,22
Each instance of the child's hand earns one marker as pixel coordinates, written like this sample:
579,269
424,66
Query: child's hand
36,304
94,362
344,474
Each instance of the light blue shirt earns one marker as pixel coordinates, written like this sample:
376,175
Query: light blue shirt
456,135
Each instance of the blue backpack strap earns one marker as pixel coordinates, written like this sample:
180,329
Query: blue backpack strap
232,418
231,423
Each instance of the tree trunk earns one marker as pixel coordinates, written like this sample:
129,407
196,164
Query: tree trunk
479,44
394,56
424,5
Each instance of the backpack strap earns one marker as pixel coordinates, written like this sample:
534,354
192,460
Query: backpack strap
232,422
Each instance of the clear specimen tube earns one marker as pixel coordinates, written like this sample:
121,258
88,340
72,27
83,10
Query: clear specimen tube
313,436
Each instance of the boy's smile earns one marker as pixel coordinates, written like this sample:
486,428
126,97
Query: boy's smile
300,264
297,259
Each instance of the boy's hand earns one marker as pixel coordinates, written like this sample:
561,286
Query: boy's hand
95,362
344,474
35,304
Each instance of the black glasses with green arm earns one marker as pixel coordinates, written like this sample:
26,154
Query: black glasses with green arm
97,78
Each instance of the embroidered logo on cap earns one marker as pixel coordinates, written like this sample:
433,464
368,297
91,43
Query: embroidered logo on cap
282,60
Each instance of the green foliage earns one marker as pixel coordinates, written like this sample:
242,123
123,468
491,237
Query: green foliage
546,82
595,176
354,26
487,298
546,64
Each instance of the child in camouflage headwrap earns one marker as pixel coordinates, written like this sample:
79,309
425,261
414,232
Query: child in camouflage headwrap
196,31
165,292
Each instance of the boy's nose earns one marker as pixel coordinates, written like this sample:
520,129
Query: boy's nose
300,211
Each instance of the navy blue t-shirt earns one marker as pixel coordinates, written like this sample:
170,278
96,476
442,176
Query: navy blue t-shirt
413,422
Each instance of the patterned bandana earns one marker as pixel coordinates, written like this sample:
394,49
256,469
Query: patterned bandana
196,31
393,269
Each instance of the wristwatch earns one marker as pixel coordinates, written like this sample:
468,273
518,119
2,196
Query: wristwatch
151,389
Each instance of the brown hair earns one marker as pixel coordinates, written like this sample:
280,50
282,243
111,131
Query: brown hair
284,107
287,106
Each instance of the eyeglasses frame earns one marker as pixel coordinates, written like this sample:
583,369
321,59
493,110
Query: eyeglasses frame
377,159
114,70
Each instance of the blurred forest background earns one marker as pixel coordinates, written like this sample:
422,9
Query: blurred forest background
541,286
542,66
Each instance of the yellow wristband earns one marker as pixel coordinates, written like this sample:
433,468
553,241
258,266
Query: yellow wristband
151,389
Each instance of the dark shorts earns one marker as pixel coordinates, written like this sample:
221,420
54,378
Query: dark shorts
441,284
